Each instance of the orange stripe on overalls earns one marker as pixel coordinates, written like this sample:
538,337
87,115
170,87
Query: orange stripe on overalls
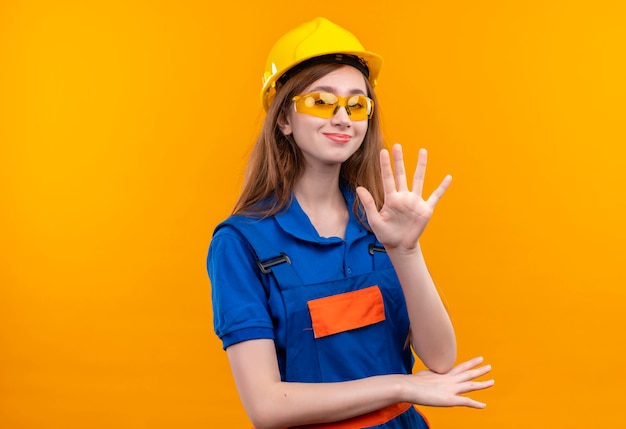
374,418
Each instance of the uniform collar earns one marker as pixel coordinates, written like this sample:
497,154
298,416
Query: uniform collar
294,221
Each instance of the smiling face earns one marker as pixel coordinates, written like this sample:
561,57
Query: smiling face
328,142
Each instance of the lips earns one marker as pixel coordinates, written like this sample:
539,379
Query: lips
338,137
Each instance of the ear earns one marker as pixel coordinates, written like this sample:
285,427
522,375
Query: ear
284,124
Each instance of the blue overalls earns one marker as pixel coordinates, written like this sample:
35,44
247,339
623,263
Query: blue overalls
337,330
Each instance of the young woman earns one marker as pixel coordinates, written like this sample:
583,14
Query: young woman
319,286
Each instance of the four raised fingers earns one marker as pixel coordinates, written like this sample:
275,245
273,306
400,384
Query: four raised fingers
395,180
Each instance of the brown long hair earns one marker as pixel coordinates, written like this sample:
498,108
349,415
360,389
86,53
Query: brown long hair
276,162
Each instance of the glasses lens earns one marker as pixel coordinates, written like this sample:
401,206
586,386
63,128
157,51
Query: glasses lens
320,104
324,105
360,107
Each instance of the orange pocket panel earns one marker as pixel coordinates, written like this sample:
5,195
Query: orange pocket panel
346,311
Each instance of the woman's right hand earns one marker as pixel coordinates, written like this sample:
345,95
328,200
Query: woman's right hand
444,390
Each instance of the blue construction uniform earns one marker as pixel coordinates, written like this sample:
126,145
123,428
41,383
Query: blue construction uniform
333,307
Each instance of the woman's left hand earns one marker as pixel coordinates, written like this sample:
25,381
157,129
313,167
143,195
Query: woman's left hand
405,214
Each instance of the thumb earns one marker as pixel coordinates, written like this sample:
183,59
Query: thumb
368,202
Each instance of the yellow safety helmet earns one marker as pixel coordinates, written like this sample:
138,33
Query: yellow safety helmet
318,38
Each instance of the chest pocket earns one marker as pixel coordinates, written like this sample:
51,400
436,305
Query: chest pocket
346,311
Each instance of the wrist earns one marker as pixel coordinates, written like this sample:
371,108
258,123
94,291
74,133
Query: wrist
404,252
399,388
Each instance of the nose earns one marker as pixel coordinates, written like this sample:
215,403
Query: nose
341,117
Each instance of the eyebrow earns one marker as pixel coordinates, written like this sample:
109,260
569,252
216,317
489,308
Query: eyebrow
324,88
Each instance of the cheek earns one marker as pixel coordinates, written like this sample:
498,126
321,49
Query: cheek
361,127
306,123
302,129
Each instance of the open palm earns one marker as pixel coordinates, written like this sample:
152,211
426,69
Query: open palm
405,213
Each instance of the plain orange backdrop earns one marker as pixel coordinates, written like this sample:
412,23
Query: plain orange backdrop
124,130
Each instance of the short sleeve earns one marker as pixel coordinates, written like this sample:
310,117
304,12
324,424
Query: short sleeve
239,297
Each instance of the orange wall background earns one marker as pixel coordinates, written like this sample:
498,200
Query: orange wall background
124,129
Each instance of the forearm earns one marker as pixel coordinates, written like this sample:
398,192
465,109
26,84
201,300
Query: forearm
271,403
432,333
289,404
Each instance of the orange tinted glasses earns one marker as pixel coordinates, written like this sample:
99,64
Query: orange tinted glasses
325,105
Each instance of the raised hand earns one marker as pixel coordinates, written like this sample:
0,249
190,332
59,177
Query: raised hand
444,390
405,214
